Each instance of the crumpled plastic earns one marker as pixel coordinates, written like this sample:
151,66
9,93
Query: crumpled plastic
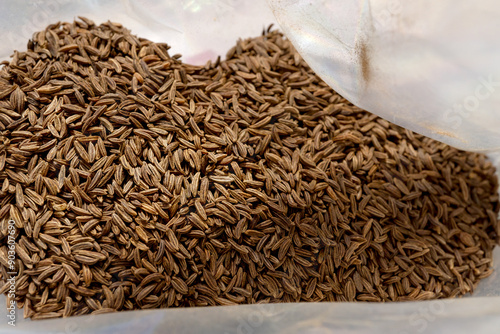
429,66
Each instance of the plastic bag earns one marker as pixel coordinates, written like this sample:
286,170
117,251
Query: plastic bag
201,30
454,316
429,66
198,29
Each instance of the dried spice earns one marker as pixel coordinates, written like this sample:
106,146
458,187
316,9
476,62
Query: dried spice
137,181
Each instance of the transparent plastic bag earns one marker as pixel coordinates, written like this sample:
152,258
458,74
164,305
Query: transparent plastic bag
453,316
429,66
201,30
198,29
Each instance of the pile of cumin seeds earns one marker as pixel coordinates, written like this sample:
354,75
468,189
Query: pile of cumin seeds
136,181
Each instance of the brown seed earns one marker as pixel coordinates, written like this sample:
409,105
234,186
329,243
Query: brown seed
137,181
179,285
